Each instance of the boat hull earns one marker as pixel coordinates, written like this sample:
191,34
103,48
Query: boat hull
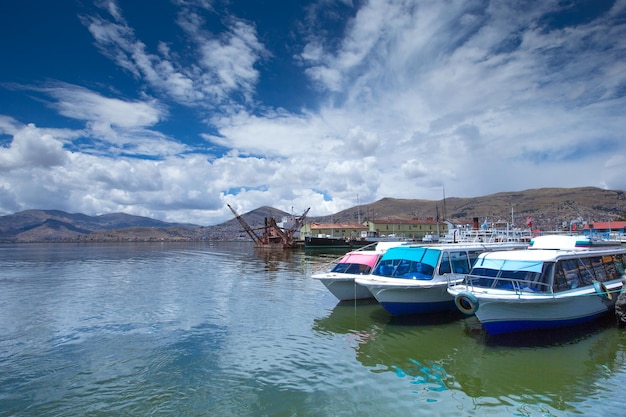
344,287
331,242
412,299
499,316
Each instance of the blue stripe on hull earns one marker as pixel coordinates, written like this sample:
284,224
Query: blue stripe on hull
401,309
502,327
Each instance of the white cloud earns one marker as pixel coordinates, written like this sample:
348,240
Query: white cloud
223,63
477,97
9,125
82,104
32,149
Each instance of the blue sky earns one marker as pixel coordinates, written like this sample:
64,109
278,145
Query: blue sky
173,108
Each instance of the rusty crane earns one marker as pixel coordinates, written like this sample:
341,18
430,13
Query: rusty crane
272,236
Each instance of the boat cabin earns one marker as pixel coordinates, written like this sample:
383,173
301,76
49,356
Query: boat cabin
547,267
424,262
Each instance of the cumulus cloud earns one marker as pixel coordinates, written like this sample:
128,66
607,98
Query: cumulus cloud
412,96
31,149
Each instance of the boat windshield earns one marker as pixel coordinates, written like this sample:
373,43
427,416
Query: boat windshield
409,263
524,275
344,268
509,265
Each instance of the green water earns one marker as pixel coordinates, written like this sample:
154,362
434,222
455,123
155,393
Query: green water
194,329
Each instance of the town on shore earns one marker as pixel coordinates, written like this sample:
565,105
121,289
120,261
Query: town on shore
546,209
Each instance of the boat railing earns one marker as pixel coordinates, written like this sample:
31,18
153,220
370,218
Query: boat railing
515,285
326,265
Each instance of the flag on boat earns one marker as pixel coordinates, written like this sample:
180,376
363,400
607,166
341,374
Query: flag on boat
529,222
484,226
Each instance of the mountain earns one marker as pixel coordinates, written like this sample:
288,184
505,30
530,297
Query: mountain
549,208
44,225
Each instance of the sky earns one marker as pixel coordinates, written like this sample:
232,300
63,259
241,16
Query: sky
173,109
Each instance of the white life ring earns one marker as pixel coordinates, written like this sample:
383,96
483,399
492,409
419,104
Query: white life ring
602,291
466,302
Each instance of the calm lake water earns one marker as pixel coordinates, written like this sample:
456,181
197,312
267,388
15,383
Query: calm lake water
199,329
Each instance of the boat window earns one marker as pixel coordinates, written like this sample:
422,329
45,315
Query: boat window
386,267
509,264
460,262
574,273
456,262
351,269
482,277
341,268
445,267
544,281
585,271
610,268
509,274
404,268
598,269
560,280
484,272
523,280
618,261
473,256
570,270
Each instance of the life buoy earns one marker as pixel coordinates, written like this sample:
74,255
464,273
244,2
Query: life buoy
602,291
466,302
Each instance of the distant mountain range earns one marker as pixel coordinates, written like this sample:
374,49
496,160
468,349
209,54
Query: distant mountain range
43,225
549,208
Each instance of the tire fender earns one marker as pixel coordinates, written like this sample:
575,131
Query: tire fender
466,302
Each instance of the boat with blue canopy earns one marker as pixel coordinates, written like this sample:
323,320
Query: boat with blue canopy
413,279
558,281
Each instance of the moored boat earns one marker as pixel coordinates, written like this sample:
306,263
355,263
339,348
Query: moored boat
339,276
326,242
413,279
558,281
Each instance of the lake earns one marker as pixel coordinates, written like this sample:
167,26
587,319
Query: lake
224,329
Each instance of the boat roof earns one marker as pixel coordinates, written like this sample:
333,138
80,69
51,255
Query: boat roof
534,255
408,251
362,258
384,246
571,242
550,248
471,245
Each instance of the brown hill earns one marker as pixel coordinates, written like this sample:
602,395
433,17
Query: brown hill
550,209
54,225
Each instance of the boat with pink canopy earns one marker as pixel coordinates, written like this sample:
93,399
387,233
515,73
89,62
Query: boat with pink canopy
340,274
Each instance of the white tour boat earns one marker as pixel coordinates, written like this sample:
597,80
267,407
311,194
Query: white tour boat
339,276
413,279
558,281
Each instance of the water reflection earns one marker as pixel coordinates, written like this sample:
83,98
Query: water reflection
450,353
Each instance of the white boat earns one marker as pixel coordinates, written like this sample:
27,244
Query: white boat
339,276
413,279
558,281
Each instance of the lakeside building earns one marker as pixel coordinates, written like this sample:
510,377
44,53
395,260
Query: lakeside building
609,230
339,230
414,229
